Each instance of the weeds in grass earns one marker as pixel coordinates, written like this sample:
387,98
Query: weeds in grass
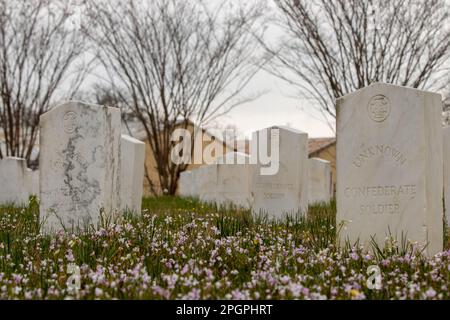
182,248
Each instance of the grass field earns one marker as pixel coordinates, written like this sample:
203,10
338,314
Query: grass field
183,249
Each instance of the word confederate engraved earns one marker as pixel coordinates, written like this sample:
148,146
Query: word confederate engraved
380,191
381,199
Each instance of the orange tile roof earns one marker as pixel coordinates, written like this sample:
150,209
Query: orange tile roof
316,144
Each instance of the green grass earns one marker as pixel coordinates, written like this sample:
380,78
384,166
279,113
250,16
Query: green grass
182,248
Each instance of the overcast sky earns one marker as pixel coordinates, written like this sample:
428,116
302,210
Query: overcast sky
279,106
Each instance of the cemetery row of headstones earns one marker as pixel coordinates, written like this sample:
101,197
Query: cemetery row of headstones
390,169
18,182
236,180
393,171
86,167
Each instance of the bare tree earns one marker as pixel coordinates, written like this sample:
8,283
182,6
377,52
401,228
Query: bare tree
104,94
179,61
335,47
38,49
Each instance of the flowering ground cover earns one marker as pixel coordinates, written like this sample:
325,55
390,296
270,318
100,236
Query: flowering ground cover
183,249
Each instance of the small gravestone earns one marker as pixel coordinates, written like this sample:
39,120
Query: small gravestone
446,157
320,187
389,166
186,184
13,177
132,173
234,180
32,182
79,164
286,191
205,183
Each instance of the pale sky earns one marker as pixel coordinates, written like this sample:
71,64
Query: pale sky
280,106
277,107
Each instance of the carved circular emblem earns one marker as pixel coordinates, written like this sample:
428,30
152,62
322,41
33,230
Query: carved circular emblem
69,122
379,108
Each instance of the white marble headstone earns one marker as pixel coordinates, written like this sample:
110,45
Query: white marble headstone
446,152
13,185
79,164
389,166
32,178
132,173
205,183
234,173
286,192
186,184
320,186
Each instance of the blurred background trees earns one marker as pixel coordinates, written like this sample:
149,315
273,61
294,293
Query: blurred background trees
170,63
332,48
175,61
40,63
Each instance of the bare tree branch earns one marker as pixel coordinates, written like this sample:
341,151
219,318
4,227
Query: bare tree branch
38,51
177,61
336,47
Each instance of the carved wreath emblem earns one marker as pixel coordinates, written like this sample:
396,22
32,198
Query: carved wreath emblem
70,122
379,108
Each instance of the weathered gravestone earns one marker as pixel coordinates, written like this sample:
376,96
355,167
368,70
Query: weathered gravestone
446,151
204,184
186,184
79,164
389,166
132,172
234,173
286,191
320,186
13,186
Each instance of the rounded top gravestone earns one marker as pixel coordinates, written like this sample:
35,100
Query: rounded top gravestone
284,190
79,163
389,166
